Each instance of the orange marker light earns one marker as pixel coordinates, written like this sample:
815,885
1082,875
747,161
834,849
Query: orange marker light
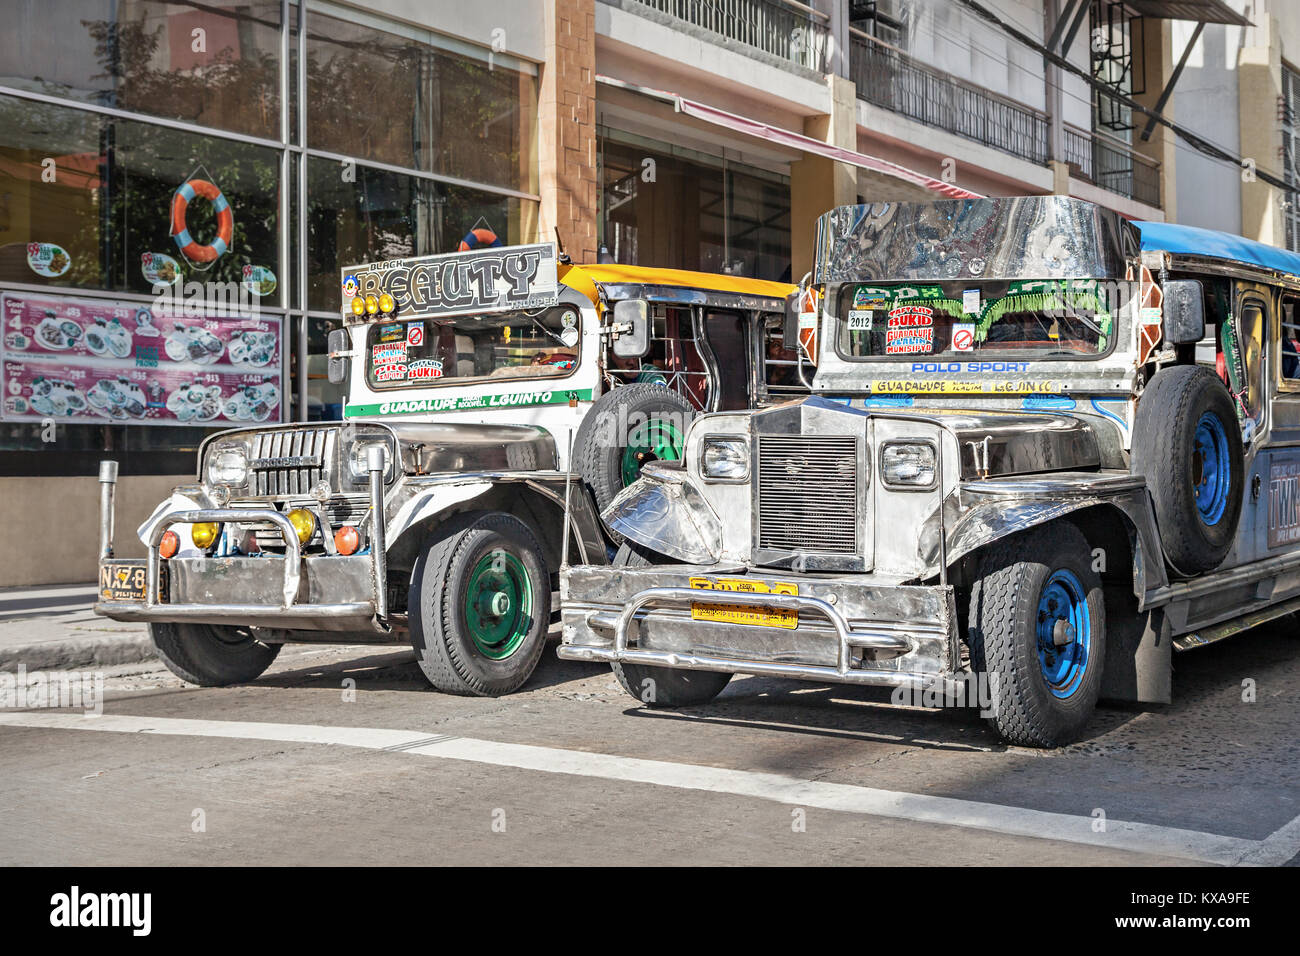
170,544
348,540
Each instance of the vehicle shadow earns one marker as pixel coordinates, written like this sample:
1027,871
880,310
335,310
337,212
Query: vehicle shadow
869,714
394,668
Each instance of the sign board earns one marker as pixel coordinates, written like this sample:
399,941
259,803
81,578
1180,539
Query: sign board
500,279
104,360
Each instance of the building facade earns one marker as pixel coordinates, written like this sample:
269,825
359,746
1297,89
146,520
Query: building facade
698,134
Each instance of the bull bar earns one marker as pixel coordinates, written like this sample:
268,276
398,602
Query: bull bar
290,613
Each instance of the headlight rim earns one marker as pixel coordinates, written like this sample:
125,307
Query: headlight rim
746,451
908,486
222,447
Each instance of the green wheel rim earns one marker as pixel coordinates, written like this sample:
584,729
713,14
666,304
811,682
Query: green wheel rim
655,440
499,604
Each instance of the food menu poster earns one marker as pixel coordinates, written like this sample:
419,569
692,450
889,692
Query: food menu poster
102,360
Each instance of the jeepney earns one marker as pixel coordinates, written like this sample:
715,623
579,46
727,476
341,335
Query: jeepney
1045,448
490,393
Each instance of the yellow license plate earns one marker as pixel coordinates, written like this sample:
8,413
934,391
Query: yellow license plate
742,614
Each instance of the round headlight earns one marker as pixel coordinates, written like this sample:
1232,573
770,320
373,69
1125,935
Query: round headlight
726,459
357,465
228,465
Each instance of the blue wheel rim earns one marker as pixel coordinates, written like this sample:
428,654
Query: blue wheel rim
1063,611
1211,468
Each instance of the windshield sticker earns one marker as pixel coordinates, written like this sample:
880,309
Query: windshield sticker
457,403
911,330
389,333
415,334
860,319
424,370
970,301
388,353
963,336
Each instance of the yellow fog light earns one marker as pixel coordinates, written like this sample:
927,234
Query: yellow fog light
304,522
204,534
372,304
386,303
358,305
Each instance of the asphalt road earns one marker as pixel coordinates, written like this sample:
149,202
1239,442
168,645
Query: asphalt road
305,766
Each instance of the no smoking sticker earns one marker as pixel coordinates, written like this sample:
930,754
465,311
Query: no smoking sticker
415,334
963,336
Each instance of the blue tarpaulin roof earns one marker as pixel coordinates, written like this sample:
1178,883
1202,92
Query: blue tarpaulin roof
1194,241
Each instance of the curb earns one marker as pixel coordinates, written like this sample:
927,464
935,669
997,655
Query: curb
81,652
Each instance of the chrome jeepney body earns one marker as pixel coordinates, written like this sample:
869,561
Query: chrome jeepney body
405,459
834,572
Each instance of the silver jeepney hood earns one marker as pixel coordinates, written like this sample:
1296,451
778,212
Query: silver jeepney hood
990,442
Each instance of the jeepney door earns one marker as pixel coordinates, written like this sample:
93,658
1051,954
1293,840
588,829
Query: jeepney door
1278,504
1248,378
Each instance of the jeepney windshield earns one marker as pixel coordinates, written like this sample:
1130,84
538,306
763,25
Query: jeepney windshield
1027,319
421,353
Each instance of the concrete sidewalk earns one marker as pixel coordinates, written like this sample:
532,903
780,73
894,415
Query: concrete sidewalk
53,628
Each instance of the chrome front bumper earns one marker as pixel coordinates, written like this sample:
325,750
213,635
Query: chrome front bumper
248,590
852,629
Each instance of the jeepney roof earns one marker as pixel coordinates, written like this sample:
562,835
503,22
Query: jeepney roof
1211,244
1020,237
676,285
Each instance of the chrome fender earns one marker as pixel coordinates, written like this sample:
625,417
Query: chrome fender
429,500
664,512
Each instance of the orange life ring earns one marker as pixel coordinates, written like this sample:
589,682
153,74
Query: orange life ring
476,238
225,221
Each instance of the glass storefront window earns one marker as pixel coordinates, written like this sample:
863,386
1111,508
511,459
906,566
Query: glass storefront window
102,190
385,215
214,63
382,97
660,209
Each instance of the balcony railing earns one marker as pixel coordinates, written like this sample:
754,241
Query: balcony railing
1113,165
782,28
889,78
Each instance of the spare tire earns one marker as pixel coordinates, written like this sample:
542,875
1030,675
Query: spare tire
627,427
1187,444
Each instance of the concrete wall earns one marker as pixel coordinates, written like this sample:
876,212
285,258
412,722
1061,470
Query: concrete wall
49,527
1208,190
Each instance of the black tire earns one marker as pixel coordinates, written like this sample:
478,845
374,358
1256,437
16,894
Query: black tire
212,655
1167,452
663,686
438,602
617,419
1006,606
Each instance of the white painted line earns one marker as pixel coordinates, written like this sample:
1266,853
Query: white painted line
1144,838
1278,847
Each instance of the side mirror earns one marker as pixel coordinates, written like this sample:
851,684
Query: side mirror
1184,311
337,343
631,328
790,327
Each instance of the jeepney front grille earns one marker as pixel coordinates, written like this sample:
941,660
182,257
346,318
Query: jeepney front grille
288,462
808,493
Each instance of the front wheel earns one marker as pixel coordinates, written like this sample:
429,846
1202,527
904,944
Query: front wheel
480,605
212,655
1037,632
662,686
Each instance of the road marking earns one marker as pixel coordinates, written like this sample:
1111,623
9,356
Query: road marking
1144,838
